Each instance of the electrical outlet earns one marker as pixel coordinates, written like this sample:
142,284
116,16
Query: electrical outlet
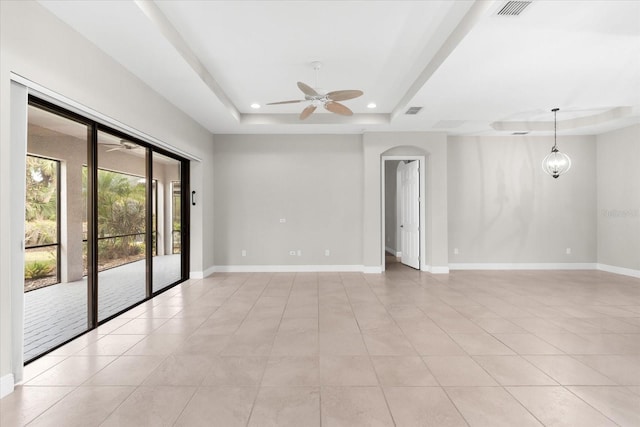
456,251
283,220
568,251
327,252
244,253
292,253
299,252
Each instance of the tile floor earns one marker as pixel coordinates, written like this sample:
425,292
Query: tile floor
404,348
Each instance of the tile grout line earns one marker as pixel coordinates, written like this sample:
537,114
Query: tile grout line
421,358
259,387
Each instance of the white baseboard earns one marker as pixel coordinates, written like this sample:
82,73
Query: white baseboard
428,268
433,269
202,274
6,385
286,268
619,270
523,266
308,268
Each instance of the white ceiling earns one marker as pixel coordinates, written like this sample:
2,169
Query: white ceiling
473,72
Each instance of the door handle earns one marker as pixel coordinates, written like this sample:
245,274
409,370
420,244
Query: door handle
402,226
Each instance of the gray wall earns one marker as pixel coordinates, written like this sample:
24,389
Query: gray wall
485,196
504,209
36,45
312,181
618,170
390,206
433,145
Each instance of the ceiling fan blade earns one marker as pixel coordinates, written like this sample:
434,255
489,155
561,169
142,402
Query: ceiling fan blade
307,90
307,112
114,149
287,102
343,95
336,107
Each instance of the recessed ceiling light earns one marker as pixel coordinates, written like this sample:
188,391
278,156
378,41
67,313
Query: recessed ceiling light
255,105
371,105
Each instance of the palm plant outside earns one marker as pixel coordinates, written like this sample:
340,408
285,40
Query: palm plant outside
121,219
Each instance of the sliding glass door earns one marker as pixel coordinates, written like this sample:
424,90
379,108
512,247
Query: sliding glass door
106,225
55,287
122,224
167,262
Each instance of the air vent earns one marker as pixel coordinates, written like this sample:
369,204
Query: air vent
513,8
520,133
413,110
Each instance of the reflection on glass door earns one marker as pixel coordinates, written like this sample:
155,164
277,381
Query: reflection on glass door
55,288
167,262
121,223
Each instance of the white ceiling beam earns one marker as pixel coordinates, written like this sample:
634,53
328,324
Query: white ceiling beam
470,19
155,15
319,118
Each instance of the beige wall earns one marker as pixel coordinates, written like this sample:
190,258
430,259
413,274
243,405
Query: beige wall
312,181
618,170
504,209
36,45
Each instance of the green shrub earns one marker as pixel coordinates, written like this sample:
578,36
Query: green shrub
37,269
40,232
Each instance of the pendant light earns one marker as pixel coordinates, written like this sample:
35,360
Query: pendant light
556,163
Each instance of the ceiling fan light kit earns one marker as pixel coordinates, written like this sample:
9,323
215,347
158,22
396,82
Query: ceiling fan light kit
556,163
319,98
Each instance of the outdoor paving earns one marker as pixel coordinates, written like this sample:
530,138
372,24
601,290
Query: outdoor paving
57,313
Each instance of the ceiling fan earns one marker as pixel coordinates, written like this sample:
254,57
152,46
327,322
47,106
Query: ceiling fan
123,145
318,97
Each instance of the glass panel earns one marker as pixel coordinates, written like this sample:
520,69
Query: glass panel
167,265
121,224
55,289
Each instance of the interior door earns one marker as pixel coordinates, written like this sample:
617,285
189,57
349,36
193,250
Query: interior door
409,202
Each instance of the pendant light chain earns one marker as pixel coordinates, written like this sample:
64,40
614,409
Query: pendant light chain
555,128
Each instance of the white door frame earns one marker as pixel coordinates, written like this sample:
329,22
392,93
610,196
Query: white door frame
421,174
